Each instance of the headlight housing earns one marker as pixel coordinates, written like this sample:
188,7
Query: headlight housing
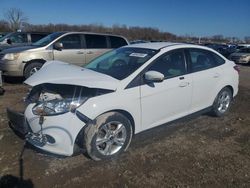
54,99
11,56
57,106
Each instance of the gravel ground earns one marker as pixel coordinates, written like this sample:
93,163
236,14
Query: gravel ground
200,152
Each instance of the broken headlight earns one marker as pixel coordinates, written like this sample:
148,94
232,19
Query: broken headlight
56,106
54,99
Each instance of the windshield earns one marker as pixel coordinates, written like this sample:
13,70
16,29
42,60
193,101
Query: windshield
122,62
5,37
48,39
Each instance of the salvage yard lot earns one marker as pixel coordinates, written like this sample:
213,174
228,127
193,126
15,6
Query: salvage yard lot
202,151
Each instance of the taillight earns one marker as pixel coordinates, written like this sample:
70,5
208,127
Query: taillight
237,68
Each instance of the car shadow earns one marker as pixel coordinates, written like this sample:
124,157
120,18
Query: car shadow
13,80
10,181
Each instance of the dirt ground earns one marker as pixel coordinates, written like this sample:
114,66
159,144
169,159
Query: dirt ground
201,152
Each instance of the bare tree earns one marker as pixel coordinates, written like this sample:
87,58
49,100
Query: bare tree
16,18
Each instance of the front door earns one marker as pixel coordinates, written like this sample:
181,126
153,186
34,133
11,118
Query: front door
171,98
72,51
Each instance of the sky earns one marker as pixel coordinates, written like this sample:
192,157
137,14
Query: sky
230,18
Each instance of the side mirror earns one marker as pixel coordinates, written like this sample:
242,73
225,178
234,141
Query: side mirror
153,76
58,46
9,41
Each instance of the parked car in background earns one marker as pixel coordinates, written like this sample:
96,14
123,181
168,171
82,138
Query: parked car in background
123,92
20,38
2,34
138,41
241,56
239,46
1,84
223,49
74,47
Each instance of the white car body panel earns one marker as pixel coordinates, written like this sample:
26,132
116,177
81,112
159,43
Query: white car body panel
128,101
165,101
205,85
64,128
148,105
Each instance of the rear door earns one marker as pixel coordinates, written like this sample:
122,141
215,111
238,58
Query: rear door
96,45
72,51
171,98
207,73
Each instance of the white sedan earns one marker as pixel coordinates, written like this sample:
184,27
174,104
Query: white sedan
100,106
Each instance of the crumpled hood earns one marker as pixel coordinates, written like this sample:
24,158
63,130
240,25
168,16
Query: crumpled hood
57,72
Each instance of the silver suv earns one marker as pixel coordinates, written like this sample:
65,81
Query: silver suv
73,47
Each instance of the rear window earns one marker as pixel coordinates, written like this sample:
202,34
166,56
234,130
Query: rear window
96,41
117,42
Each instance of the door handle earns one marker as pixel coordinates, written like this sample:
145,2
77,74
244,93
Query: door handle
183,84
90,52
216,75
79,52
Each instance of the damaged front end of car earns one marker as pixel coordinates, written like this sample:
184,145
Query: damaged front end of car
51,121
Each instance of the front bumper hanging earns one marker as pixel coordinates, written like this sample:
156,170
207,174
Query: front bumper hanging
17,122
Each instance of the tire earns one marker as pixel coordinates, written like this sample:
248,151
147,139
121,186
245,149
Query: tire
109,136
222,102
31,69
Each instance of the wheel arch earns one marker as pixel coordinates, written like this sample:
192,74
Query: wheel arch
231,88
127,115
33,61
78,142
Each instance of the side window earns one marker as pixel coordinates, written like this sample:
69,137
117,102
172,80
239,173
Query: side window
117,42
19,38
71,41
202,59
217,59
96,41
36,37
170,64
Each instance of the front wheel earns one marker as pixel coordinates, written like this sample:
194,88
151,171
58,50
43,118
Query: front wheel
31,69
108,137
222,102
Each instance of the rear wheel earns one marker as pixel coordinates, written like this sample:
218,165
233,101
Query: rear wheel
32,68
108,137
222,102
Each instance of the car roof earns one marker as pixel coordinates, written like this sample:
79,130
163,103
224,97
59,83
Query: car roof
161,45
92,33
